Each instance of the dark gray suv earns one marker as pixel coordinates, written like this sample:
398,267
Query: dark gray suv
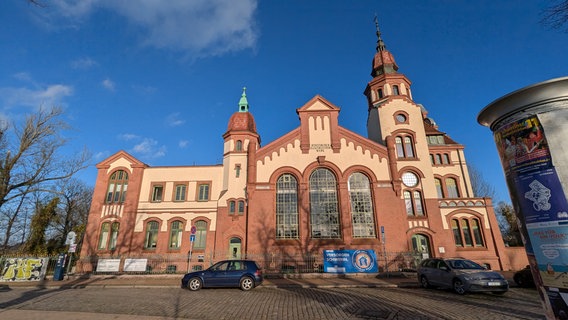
461,275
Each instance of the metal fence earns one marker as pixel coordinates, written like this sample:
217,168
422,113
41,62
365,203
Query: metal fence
271,263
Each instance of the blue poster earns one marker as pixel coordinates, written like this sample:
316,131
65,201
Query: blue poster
349,261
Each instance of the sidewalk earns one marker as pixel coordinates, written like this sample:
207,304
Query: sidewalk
392,280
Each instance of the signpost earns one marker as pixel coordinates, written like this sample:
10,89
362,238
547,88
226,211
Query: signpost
191,239
70,240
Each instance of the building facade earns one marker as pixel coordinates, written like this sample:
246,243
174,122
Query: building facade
404,188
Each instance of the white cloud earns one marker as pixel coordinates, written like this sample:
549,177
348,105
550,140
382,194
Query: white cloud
149,148
108,84
47,96
183,144
197,27
23,76
173,120
83,63
146,148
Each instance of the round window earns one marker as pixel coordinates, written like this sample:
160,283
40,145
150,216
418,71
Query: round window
409,179
400,118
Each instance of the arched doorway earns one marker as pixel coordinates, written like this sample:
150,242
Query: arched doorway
420,247
235,248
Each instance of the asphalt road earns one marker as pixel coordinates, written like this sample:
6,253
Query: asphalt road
104,303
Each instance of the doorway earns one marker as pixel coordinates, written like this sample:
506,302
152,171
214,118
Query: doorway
235,248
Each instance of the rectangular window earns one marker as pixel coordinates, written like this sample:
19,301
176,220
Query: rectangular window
232,207
241,207
157,192
180,192
203,192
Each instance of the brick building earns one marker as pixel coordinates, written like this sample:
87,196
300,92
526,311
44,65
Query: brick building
404,188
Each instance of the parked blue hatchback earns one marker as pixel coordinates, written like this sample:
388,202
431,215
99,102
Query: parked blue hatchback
244,274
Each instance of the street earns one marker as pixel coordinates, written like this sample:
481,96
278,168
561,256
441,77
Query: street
265,303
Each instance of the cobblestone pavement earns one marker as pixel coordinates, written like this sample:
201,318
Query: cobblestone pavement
264,303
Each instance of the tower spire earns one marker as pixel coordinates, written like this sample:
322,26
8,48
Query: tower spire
380,43
243,103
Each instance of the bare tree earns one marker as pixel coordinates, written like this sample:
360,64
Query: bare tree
30,161
480,186
72,213
508,224
556,16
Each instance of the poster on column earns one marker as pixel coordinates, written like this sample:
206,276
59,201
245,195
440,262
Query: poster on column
349,261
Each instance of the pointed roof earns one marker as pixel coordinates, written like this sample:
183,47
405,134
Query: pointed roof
383,62
243,103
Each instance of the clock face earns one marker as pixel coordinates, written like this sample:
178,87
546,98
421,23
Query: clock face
409,179
400,118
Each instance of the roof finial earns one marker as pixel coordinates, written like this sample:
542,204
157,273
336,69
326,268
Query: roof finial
380,44
243,103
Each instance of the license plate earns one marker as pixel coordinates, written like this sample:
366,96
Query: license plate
494,283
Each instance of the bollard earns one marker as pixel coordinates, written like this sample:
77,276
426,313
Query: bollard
530,129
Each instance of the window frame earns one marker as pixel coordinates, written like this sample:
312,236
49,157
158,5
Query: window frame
361,206
154,190
176,233
468,232
201,227
151,234
325,216
404,146
200,185
117,187
176,193
286,211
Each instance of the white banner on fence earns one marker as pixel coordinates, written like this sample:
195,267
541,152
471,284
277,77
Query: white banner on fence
108,265
135,265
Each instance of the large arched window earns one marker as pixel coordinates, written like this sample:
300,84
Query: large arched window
286,207
404,147
176,230
151,235
117,185
324,213
200,235
361,206
467,232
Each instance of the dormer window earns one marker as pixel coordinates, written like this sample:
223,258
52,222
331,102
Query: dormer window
436,139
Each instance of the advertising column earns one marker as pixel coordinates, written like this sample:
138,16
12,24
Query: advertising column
530,129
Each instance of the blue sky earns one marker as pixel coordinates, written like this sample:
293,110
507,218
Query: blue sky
160,79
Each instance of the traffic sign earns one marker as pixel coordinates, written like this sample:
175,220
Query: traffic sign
71,236
193,229
192,238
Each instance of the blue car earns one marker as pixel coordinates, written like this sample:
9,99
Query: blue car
244,274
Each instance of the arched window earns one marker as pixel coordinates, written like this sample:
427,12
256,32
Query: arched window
108,236
413,203
239,145
324,213
241,207
438,158
151,235
361,206
231,207
404,147
176,231
117,185
380,91
395,90
467,232
200,235
286,207
103,237
113,235
452,188
439,189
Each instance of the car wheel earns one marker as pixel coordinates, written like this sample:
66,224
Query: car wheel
194,284
459,288
424,282
246,284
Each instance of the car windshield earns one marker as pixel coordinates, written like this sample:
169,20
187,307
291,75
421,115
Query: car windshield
464,264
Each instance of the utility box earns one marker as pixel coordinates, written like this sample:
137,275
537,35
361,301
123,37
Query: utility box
59,272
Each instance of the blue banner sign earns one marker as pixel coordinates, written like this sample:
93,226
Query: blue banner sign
349,261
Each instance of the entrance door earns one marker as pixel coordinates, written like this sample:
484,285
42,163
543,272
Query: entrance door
421,245
235,248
